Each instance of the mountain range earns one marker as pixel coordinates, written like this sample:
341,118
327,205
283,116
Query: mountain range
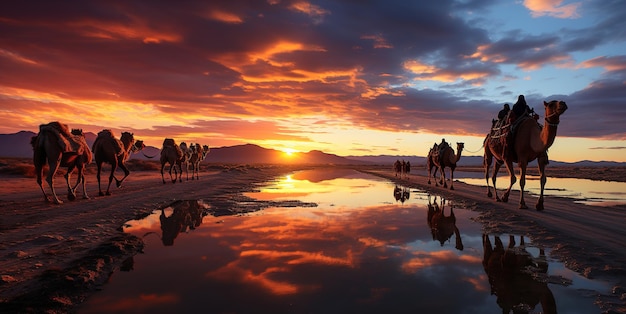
18,145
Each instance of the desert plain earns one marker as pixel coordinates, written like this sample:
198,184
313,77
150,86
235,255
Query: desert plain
54,256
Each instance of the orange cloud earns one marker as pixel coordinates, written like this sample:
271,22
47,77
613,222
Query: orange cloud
553,8
225,17
122,31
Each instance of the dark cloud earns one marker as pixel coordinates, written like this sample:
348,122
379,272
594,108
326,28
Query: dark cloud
277,59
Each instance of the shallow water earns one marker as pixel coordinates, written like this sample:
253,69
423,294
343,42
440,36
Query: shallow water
368,247
584,191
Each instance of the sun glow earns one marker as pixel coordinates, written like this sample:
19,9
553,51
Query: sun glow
289,152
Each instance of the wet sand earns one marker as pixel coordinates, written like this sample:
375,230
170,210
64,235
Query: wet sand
52,257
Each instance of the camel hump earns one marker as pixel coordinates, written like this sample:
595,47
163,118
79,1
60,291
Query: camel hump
169,142
65,138
57,127
106,133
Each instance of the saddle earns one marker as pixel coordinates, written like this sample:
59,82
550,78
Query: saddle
108,135
169,142
68,142
503,133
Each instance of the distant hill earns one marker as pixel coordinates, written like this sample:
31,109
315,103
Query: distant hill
254,154
18,145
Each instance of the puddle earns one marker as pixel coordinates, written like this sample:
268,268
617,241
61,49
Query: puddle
368,246
584,191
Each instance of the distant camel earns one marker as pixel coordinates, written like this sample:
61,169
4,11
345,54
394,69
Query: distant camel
198,153
402,168
441,226
108,149
60,148
447,158
172,154
184,161
512,279
531,141
430,164
397,167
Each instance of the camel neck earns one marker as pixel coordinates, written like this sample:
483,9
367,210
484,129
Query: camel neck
548,134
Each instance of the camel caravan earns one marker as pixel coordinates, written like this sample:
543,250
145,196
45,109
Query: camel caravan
515,137
178,155
57,146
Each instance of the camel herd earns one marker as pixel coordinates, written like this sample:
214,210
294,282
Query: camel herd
58,146
516,137
180,155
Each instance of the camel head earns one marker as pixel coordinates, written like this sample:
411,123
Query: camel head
554,109
139,145
78,132
460,146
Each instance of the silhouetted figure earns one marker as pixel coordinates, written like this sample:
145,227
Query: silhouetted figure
505,110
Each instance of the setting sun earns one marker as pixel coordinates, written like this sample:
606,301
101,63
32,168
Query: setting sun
289,151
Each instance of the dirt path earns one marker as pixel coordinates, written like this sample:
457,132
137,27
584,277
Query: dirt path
53,256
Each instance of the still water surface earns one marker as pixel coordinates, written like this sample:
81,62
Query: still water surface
368,247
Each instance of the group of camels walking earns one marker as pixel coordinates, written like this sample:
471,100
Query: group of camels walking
57,146
516,137
180,155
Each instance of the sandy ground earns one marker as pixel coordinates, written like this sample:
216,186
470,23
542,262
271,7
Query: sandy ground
52,257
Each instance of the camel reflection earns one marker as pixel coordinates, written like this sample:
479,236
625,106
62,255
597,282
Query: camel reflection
401,194
441,226
510,273
186,215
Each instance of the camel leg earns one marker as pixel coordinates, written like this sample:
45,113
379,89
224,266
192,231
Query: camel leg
509,168
111,177
541,162
99,171
162,177
173,179
39,171
443,175
53,166
118,183
180,176
71,192
81,175
451,178
522,183
487,159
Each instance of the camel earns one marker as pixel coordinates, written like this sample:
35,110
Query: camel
108,149
172,154
430,164
442,226
514,276
184,160
198,154
60,148
530,142
447,158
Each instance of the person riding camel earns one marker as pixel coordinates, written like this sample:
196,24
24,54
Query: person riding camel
505,110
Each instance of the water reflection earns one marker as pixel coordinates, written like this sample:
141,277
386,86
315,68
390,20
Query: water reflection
401,194
357,252
514,276
183,216
443,227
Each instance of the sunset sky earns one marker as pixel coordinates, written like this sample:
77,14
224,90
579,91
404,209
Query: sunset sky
345,77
